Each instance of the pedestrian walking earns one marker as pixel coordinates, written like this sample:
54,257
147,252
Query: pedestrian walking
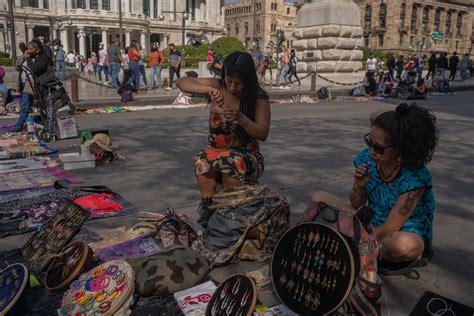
432,62
115,62
391,64
94,63
371,64
463,66
156,61
421,66
134,57
175,64
267,66
142,66
399,64
103,65
71,59
292,67
442,65
453,66
285,60
59,57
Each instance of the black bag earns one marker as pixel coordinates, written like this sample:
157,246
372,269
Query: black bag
323,93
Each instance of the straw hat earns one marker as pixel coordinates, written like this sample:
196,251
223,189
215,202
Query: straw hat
101,140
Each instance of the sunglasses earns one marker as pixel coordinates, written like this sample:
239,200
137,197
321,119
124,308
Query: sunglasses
379,149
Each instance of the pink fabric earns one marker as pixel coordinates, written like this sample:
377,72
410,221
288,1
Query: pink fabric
98,203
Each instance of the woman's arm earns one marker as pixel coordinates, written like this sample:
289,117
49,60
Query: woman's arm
202,86
261,127
399,214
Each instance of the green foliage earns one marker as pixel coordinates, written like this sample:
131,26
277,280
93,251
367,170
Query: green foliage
5,61
4,55
227,45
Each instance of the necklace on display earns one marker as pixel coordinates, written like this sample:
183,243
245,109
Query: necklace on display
389,177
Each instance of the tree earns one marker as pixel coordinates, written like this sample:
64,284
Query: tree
227,45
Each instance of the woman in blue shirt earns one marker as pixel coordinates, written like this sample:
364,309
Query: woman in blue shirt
391,178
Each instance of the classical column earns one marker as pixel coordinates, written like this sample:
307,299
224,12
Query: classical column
18,3
197,12
88,5
69,4
127,38
143,41
442,26
127,10
173,9
160,7
104,38
431,27
82,42
40,4
208,10
65,39
30,32
100,5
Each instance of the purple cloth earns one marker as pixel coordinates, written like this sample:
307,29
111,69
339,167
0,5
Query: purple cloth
135,248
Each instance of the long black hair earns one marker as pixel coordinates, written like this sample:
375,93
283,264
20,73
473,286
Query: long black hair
240,65
412,130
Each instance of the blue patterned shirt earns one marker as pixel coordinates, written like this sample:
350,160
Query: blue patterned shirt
382,196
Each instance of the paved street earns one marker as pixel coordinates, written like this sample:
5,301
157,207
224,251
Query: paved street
310,148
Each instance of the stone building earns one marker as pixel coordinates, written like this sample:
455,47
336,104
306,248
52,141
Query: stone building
83,24
256,22
404,26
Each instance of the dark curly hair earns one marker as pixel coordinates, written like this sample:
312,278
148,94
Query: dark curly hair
412,131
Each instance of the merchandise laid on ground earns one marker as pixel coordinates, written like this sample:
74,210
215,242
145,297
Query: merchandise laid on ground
165,263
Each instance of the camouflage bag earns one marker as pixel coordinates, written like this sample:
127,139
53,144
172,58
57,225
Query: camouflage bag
246,225
169,272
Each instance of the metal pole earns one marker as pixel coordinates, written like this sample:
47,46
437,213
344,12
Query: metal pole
12,28
184,38
120,25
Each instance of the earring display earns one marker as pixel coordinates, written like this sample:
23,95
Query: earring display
13,281
237,296
38,251
321,274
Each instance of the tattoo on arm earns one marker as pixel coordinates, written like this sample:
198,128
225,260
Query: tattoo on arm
410,202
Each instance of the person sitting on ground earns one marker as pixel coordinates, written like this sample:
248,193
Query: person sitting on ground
239,121
370,84
391,177
386,84
420,91
441,84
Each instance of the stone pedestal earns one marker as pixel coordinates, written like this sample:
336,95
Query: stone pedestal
329,38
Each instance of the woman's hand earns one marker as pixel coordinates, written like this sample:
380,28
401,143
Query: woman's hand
216,97
361,177
231,114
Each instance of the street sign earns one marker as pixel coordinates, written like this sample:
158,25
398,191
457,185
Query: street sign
437,36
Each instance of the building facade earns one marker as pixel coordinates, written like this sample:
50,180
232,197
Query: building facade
83,24
256,22
406,26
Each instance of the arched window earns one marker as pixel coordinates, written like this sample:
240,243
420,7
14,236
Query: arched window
437,21
403,12
449,17
257,26
246,28
414,14
236,29
426,19
368,18
383,15
459,24
287,10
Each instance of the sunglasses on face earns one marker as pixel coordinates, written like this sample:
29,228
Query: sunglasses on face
379,149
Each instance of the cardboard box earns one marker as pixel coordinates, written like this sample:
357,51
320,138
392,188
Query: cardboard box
67,127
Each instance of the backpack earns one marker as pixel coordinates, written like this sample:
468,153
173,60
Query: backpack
365,248
323,93
246,225
358,91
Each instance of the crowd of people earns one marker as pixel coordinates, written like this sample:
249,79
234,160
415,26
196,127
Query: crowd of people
386,77
399,145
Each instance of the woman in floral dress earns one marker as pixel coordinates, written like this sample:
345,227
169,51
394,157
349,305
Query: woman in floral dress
239,121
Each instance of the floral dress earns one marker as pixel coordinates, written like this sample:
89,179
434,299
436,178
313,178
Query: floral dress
230,150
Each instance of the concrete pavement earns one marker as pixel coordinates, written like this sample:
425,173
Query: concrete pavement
310,148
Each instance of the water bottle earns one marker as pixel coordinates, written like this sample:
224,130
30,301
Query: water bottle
30,128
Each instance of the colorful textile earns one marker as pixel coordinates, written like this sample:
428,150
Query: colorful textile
383,196
135,248
231,151
194,301
99,203
19,180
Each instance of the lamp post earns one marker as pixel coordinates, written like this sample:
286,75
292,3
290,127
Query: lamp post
12,30
184,17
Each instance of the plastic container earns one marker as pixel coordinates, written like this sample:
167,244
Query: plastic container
30,128
76,161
